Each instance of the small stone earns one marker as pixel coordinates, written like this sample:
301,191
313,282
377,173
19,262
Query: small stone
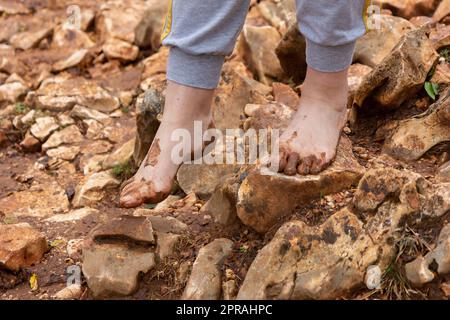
205,280
20,246
72,292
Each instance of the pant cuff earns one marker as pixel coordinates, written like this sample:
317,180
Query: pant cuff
198,71
329,58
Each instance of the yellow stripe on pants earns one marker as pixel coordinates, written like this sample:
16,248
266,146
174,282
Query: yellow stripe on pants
168,23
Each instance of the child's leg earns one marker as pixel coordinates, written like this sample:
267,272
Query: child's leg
200,33
331,29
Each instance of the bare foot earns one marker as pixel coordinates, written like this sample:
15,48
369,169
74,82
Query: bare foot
152,183
308,145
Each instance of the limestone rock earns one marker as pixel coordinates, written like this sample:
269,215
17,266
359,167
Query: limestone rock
74,215
92,190
43,127
12,92
264,197
83,113
68,135
64,37
148,30
136,229
79,57
205,280
72,292
20,246
113,269
232,97
116,253
409,8
442,11
119,49
291,52
41,200
62,94
377,44
418,271
258,50
30,38
443,173
120,156
401,74
147,123
413,137
64,152
202,179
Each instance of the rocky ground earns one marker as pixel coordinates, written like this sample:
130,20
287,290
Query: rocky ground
81,95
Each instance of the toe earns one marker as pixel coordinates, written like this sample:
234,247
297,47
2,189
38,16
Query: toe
282,161
319,165
305,166
292,163
131,197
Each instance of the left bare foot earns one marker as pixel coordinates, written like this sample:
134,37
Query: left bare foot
309,144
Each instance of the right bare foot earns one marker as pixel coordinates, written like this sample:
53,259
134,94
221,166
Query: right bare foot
153,182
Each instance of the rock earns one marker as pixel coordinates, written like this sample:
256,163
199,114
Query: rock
441,75
20,246
442,11
291,52
264,197
83,113
373,277
356,74
167,203
409,8
92,190
69,135
156,64
13,7
120,156
147,123
43,127
258,50
62,94
126,228
119,49
284,94
270,115
440,36
64,37
162,224
116,253
119,19
231,98
222,204
443,173
331,260
30,38
166,244
280,14
148,31
74,248
113,269
378,43
418,271
72,292
12,92
30,143
205,280
41,200
229,290
79,57
202,179
64,152
401,74
74,215
413,137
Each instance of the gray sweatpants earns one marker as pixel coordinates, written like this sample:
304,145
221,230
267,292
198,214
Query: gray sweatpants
201,33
